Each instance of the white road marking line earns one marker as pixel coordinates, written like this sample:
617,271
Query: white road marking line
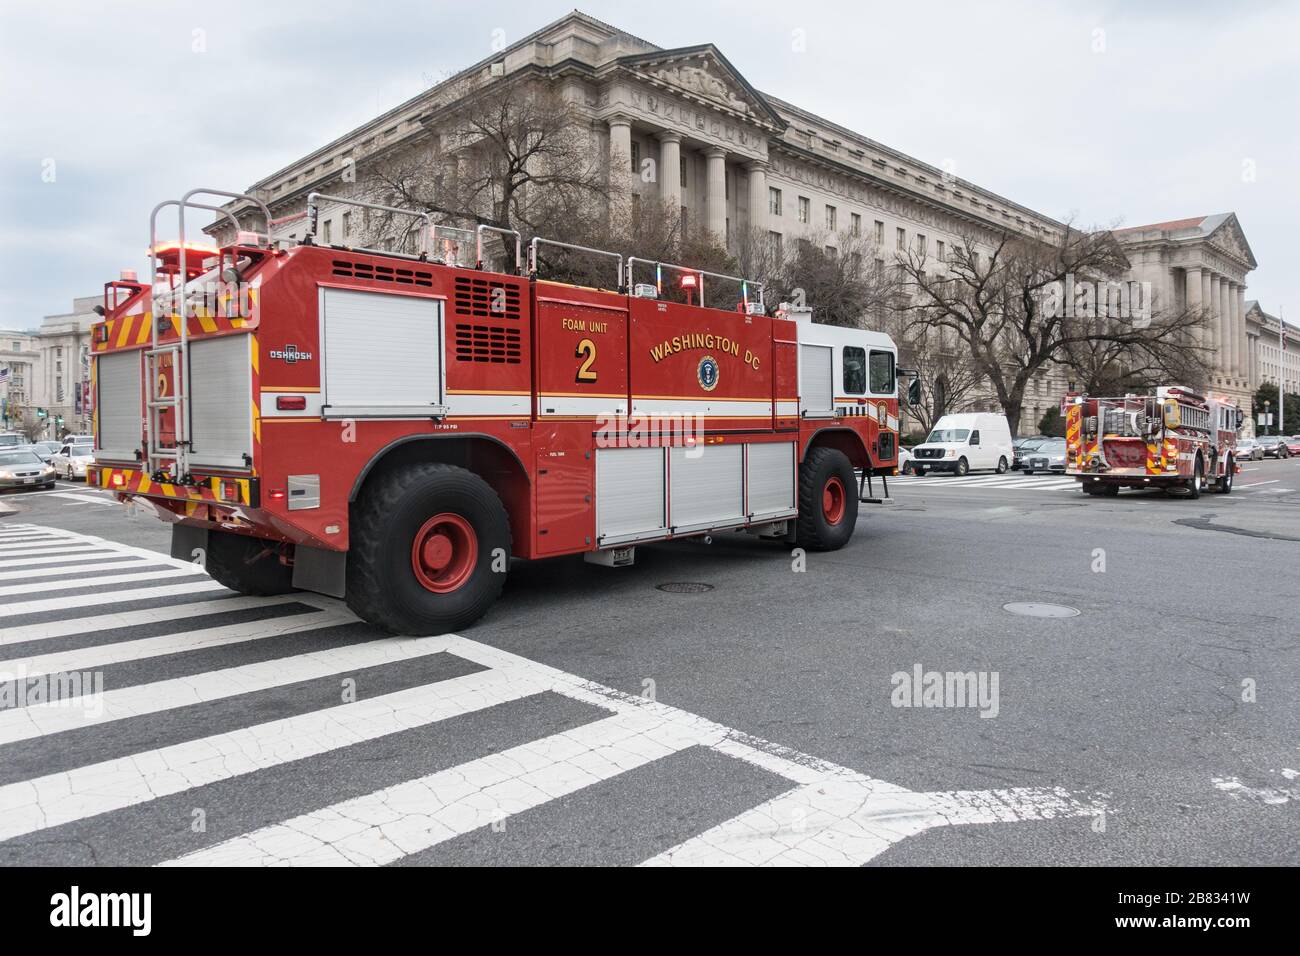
1253,484
85,499
154,574
87,658
35,555
31,805
103,622
38,720
1269,796
848,822
386,825
107,597
51,570
30,542
66,555
157,556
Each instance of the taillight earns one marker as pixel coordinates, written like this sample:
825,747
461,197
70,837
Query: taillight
290,403
276,494
229,491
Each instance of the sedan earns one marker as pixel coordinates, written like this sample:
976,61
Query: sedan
71,461
1047,456
1272,446
1292,444
1246,450
1022,447
24,469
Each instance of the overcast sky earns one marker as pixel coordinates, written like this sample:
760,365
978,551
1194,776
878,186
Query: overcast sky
1107,113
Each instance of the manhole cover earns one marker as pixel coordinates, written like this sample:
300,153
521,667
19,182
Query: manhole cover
1030,609
685,587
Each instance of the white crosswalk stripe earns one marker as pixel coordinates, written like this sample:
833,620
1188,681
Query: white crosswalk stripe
829,814
1007,482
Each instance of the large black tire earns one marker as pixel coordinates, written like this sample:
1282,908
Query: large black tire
1002,465
248,565
1224,485
963,466
384,585
1193,484
822,527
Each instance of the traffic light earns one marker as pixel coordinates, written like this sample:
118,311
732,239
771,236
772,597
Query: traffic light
41,413
58,421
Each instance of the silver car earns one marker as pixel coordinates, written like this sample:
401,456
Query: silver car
1048,456
1246,450
20,468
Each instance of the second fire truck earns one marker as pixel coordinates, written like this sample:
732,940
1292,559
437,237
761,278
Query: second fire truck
1174,439
393,429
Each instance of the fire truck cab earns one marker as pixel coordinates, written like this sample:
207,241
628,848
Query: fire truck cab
1174,439
393,429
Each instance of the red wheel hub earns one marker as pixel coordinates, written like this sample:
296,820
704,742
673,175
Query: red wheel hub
833,500
444,553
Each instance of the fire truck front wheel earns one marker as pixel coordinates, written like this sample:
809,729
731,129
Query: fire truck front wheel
429,551
828,500
1224,485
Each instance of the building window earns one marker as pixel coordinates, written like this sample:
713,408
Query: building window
773,201
900,236
880,233
855,224
939,249
774,244
830,218
327,232
347,226
920,245
683,165
831,252
726,185
805,209
880,267
636,156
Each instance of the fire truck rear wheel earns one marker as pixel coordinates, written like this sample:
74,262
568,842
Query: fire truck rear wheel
429,550
247,565
1224,485
828,500
1194,483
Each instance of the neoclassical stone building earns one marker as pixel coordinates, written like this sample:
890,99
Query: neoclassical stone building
732,158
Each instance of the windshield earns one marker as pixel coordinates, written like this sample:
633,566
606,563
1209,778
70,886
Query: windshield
11,440
942,435
1053,447
1267,440
19,458
80,451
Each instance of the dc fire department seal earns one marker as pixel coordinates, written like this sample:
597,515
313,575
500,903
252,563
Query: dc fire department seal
707,373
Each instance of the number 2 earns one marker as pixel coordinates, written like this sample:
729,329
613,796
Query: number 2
586,350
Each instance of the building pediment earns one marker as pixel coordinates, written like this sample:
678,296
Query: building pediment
703,73
1229,237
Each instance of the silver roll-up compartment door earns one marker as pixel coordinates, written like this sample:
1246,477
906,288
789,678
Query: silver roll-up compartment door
382,354
816,378
707,487
630,494
771,471
118,400
221,401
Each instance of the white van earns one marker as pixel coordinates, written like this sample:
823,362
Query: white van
967,442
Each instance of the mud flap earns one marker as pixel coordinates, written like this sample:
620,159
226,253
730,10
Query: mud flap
319,570
187,539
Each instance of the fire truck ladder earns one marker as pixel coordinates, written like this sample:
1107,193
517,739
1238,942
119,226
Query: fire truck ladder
177,305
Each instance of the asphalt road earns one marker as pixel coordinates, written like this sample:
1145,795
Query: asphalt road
1156,726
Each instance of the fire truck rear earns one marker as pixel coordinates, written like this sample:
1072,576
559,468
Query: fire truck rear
393,429
1175,440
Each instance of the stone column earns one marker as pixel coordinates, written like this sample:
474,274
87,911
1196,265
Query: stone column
1239,323
715,193
670,171
1194,301
620,163
1225,323
758,199
1216,327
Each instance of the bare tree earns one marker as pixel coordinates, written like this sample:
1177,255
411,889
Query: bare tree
1002,300
511,154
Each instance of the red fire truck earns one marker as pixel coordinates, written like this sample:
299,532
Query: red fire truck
1173,440
392,429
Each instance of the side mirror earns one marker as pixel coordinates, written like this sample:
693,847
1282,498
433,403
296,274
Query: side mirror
914,392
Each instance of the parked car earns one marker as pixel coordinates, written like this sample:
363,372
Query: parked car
1272,446
1048,456
20,468
904,461
961,443
12,440
1247,450
1292,443
70,461
1022,445
79,440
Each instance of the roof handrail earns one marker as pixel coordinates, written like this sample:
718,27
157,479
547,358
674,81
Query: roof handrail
478,244
532,255
313,211
659,266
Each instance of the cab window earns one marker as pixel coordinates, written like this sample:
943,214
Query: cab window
881,373
975,437
855,370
